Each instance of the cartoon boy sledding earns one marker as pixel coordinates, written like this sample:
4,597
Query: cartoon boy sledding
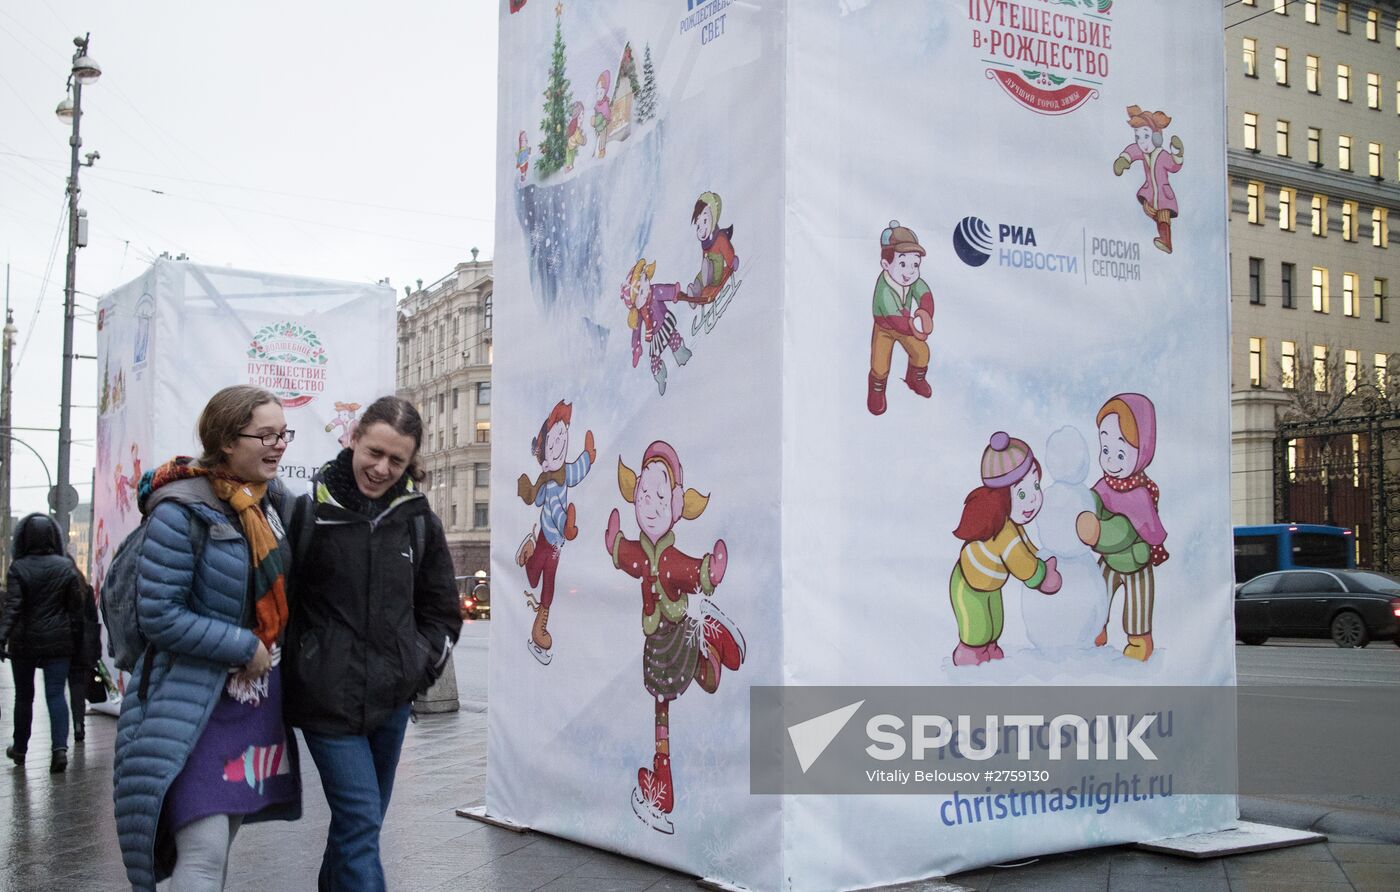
539,553
685,640
903,310
996,547
651,321
1124,527
1156,196
717,260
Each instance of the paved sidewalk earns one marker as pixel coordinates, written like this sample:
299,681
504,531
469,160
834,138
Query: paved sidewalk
58,831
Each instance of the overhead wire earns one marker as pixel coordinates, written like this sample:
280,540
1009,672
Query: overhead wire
43,288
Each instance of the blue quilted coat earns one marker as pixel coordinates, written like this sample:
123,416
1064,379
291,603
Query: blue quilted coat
193,613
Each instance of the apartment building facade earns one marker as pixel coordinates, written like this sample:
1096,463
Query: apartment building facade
1313,95
444,368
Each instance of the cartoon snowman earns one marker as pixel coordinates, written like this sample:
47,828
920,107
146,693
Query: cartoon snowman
1074,616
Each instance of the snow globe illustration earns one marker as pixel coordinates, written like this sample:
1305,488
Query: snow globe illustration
1069,619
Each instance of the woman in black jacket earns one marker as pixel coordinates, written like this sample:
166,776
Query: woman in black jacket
87,651
43,598
373,620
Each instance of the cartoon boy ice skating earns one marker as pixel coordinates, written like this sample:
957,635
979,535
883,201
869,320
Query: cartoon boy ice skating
903,311
1156,195
539,553
687,638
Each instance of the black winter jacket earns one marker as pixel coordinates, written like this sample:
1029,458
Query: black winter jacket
43,595
367,632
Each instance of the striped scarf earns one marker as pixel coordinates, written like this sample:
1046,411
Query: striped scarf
270,609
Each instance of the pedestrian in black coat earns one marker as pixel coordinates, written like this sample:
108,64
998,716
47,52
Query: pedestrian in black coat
87,650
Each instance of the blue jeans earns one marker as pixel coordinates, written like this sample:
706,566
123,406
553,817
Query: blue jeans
55,683
357,773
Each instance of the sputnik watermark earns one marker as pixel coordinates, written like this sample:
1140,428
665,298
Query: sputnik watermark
1111,736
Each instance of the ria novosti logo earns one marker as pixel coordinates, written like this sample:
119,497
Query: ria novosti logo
1014,245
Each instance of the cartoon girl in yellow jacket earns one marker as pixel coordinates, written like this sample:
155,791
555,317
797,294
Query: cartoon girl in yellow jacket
996,548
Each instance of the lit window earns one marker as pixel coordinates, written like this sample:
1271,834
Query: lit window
1310,11
1344,17
1281,139
1286,285
1251,131
1256,280
1356,481
1344,152
1378,298
1287,216
483,432
1314,79
1382,378
1315,146
1281,65
1319,369
1351,364
1373,24
1256,362
1281,7
1253,201
1350,305
1251,57
1373,159
1348,221
1292,461
1319,216
1288,365
1319,289
1373,90
1344,83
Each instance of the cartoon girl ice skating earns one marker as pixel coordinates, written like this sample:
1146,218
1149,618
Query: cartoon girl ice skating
1125,529
1156,196
687,638
996,547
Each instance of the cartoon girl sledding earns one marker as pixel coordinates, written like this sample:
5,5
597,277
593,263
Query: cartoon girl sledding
1156,196
1124,528
602,113
996,547
539,553
646,310
717,259
685,640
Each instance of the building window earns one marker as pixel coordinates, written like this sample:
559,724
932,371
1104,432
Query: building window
1251,57
1381,375
1351,365
1286,284
1344,83
439,441
483,393
1319,216
1281,65
1256,284
1292,461
486,311
1378,298
1373,159
454,515
1251,131
1344,17
1288,365
1281,139
1348,221
1314,79
1256,362
1373,24
483,432
1344,152
1350,305
1310,11
1319,369
1281,6
1315,146
481,515
1320,299
481,475
1253,194
1373,90
1287,216
456,438
456,394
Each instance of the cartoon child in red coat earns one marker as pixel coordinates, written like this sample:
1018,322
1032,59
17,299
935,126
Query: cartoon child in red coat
685,640
1156,196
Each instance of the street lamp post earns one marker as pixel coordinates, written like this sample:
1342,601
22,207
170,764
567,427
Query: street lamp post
85,70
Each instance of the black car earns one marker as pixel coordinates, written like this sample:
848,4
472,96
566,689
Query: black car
1349,606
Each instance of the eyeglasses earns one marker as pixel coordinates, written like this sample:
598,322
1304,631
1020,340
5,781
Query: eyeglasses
271,439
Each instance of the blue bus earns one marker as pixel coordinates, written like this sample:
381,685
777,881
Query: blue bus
1286,546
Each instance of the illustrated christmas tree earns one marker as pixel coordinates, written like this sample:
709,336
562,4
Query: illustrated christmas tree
646,109
104,400
558,97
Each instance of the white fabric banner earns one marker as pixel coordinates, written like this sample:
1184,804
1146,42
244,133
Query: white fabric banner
168,340
955,384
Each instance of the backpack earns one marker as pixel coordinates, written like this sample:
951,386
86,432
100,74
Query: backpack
301,521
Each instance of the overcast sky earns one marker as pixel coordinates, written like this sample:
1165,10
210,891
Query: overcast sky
350,140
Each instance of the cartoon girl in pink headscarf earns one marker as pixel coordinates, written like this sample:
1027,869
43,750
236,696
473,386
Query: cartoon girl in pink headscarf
1124,528
602,112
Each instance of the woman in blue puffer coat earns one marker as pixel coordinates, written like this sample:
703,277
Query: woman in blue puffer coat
201,744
